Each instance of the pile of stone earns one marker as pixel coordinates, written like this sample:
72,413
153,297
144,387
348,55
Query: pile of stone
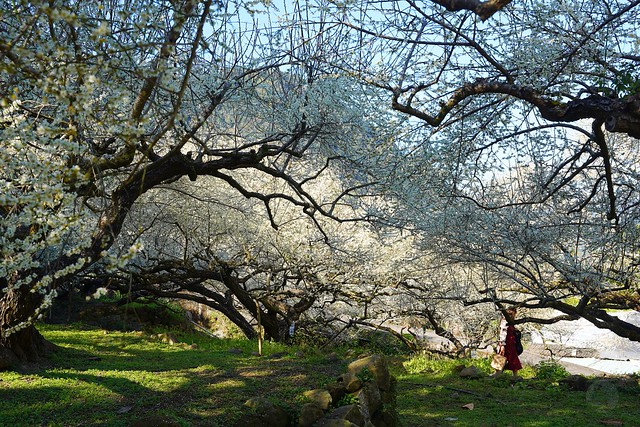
364,396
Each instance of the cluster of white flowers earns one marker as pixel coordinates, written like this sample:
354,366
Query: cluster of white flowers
113,262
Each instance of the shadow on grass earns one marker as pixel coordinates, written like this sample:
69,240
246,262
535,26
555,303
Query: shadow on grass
116,378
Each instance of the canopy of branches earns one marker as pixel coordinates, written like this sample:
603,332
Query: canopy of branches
350,162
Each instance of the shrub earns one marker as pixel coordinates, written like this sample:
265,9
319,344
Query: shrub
550,371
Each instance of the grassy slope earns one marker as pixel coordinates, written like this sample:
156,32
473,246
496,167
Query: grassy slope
111,379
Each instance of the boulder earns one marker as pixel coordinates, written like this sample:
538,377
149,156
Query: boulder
385,418
351,413
351,382
377,366
309,414
320,397
370,399
389,396
369,382
471,372
265,413
337,391
168,338
332,357
576,383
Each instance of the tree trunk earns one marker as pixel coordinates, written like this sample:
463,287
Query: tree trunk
23,345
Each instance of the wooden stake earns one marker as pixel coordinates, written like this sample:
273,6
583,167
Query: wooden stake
259,329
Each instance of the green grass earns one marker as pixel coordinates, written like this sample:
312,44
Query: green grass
103,378
431,393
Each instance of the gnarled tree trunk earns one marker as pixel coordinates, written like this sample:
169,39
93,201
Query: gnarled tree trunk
26,344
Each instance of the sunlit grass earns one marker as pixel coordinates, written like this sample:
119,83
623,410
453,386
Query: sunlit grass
431,393
113,378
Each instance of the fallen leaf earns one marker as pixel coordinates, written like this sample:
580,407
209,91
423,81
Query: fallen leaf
468,406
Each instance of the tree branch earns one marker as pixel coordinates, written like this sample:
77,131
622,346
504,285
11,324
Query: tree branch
620,115
484,9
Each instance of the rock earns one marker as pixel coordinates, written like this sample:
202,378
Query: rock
351,382
250,420
626,383
124,409
389,396
235,350
320,397
459,368
471,372
277,355
309,414
265,412
377,366
337,391
332,357
385,418
154,421
370,399
576,383
351,413
168,338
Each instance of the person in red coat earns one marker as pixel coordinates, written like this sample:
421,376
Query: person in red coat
507,344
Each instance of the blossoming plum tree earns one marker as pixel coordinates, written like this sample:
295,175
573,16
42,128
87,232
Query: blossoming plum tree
103,102
524,158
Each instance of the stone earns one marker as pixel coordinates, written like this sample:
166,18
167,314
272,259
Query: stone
266,413
320,397
250,420
370,399
576,383
351,382
459,368
235,351
377,366
332,357
278,355
351,413
385,418
309,414
337,391
471,372
168,338
389,396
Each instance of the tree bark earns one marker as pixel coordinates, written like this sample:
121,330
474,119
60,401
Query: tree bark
24,345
